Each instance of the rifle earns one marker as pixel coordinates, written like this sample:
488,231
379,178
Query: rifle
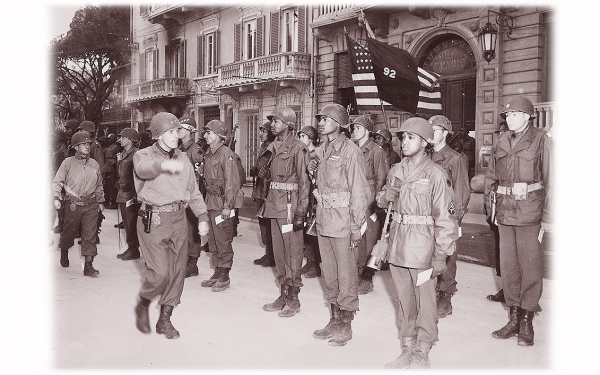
231,143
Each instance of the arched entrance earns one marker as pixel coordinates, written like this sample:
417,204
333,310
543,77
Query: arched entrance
452,57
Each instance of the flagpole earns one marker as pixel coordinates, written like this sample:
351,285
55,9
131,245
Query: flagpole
372,35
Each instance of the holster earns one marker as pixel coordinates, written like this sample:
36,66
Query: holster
146,215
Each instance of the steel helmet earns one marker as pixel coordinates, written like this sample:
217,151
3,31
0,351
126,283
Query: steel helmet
112,136
80,137
419,126
188,123
385,134
163,122
285,114
88,126
365,121
336,112
130,133
518,103
266,126
310,132
218,127
73,124
442,121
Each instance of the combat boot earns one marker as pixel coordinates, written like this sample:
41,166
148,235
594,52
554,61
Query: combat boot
124,253
260,260
222,282
403,360
164,326
498,297
512,327
444,306
292,304
343,333
331,327
307,267
142,321
365,284
420,356
526,328
279,302
191,267
88,269
314,271
213,279
64,257
268,262
133,254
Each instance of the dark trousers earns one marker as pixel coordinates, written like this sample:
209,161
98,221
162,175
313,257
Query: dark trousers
311,248
521,264
265,235
446,282
287,250
164,251
340,271
193,234
417,314
129,216
219,241
83,220
368,241
110,188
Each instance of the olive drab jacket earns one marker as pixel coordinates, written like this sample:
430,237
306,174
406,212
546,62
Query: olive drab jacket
196,156
221,177
342,188
260,188
125,175
457,167
289,162
376,169
528,161
425,191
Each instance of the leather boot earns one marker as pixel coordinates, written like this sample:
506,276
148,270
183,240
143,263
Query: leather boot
526,328
444,305
88,270
314,271
191,267
331,327
64,257
344,329
292,304
164,326
365,283
260,260
498,297
403,360
133,254
268,262
305,268
278,304
512,327
213,279
420,356
124,253
222,282
142,320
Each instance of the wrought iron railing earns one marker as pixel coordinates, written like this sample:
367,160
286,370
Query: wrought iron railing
158,88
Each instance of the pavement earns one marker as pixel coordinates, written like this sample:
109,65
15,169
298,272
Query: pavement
93,324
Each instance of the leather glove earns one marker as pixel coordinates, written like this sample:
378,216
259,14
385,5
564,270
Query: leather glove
298,223
392,193
264,173
439,267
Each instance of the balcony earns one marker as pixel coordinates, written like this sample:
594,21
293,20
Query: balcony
117,115
335,12
279,67
158,88
172,15
544,115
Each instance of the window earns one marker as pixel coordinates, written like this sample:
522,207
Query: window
249,39
175,59
148,65
289,31
207,54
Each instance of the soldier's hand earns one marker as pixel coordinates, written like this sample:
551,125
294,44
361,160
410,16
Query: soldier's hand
172,166
298,223
439,267
355,239
392,193
203,228
100,207
313,165
57,204
253,172
225,213
264,173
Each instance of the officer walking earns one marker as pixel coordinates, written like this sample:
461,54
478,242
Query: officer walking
376,168
422,235
342,193
80,178
519,174
383,138
70,129
165,183
456,166
222,186
286,205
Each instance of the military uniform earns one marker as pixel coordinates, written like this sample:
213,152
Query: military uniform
127,192
392,156
258,193
110,157
196,157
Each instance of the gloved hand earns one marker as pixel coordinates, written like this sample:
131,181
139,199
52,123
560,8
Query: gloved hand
392,193
298,223
439,267
264,173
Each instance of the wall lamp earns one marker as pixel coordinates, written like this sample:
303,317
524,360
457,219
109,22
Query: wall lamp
489,34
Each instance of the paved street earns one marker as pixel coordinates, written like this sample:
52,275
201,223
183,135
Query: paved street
94,324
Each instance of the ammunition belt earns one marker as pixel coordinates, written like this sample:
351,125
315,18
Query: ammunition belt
283,186
411,219
333,200
508,190
171,207
82,201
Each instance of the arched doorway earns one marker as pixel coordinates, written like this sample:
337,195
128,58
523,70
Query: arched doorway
452,57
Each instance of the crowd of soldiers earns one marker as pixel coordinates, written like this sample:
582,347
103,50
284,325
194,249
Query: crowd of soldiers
337,195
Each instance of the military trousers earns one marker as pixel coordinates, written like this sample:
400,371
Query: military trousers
311,248
265,235
129,215
219,240
287,251
417,313
164,251
368,241
521,263
446,282
83,220
193,234
338,263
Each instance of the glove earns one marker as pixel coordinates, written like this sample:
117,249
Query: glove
392,193
298,223
264,173
439,267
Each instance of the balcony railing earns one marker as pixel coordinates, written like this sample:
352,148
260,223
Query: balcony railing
544,115
336,12
158,88
291,65
325,9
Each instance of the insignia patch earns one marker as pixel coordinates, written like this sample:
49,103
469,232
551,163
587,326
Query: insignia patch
423,181
333,157
451,208
230,158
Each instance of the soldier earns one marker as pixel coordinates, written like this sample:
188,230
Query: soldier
383,138
376,168
110,177
259,191
422,235
146,139
80,178
196,156
222,186
128,138
165,184
520,173
96,150
456,166
286,205
70,129
309,136
342,193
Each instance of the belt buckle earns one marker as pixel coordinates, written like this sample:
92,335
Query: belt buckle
519,190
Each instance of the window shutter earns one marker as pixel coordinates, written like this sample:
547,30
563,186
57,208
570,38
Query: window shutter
259,35
182,59
274,33
155,63
302,29
217,45
167,61
142,66
238,41
200,56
